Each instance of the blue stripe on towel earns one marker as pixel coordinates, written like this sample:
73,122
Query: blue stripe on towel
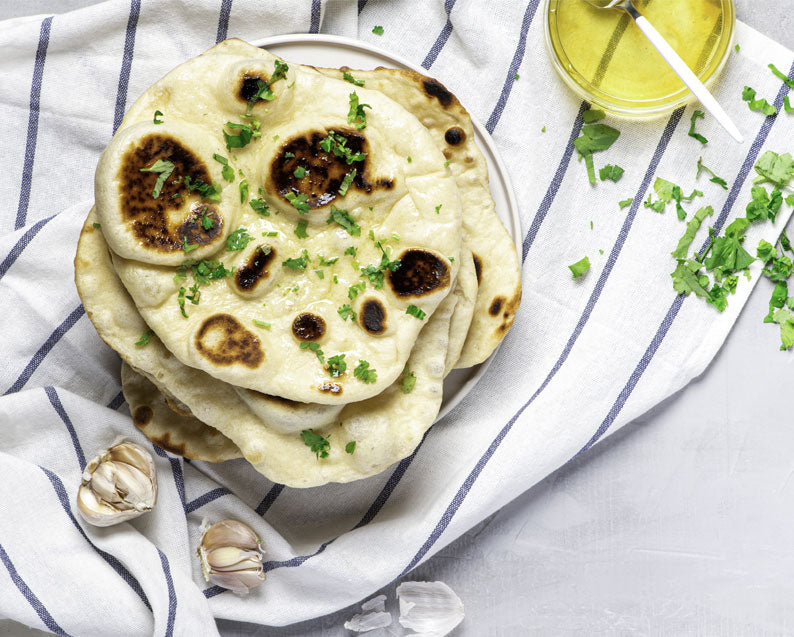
464,489
223,21
55,401
442,38
176,471
169,629
208,497
314,26
45,349
29,595
114,563
20,245
33,123
126,63
269,499
667,322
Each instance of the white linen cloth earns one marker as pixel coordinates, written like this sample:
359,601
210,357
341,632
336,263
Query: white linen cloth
584,357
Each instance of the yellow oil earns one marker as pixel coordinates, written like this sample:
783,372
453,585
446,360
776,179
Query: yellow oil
614,64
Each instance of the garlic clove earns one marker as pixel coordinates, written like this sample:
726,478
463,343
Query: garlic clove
231,556
117,485
429,608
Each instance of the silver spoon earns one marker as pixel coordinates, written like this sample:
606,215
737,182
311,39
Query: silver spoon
676,63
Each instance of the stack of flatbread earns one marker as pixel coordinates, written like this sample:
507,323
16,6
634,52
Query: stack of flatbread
289,260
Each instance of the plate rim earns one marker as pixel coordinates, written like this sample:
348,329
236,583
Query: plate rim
447,405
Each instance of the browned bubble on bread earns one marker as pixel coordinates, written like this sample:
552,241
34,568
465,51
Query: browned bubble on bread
454,135
308,327
324,171
223,340
372,316
256,270
147,217
420,273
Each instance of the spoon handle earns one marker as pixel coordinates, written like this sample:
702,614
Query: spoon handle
688,77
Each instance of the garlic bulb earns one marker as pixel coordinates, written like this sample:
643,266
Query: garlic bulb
231,556
118,485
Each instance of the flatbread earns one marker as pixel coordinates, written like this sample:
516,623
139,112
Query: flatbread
178,433
386,428
403,198
498,268
466,298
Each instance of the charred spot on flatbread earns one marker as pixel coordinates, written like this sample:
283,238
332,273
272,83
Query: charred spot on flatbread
308,327
142,416
248,277
193,229
331,388
420,273
454,135
323,171
223,340
436,89
372,316
248,85
496,305
477,266
149,218
165,442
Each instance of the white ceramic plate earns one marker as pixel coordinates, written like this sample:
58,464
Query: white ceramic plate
334,51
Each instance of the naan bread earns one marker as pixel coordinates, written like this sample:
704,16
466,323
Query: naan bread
402,195
466,298
178,433
386,428
498,268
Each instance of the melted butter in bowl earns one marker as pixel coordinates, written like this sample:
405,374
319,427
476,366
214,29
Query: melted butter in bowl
605,58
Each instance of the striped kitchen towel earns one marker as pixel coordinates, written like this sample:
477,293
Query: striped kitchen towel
584,357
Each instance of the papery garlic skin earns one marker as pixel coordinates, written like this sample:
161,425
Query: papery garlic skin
117,485
231,556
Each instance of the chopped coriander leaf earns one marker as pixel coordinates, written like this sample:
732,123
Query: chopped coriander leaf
727,252
260,207
181,301
164,169
349,78
785,320
377,30
349,177
692,226
275,138
206,221
714,179
346,311
300,172
687,278
289,155
353,290
784,242
351,250
212,192
516,76
350,447
779,169
591,224
337,365
364,373
611,172
146,336
407,381
580,267
416,312
156,115
446,164
300,229
320,274
327,262
299,202
187,247
668,191
409,159
356,114
375,274
270,234
238,239
227,172
595,137
298,263
244,135
438,208
318,445
764,206
787,105
259,323
336,279
626,202
344,219
696,114
314,347
737,47
592,115
337,144
543,130
766,251
786,79
748,95
195,295
243,190
96,225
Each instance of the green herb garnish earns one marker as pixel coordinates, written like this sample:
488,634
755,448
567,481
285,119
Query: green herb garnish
595,137
146,336
580,267
314,347
299,202
337,365
344,219
300,229
695,116
260,207
298,263
164,169
748,95
238,239
377,30
714,179
611,172
318,445
415,311
356,114
407,381
364,373
346,311
349,78
156,115
350,447
349,177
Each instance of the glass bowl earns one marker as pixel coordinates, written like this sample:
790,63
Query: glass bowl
604,57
